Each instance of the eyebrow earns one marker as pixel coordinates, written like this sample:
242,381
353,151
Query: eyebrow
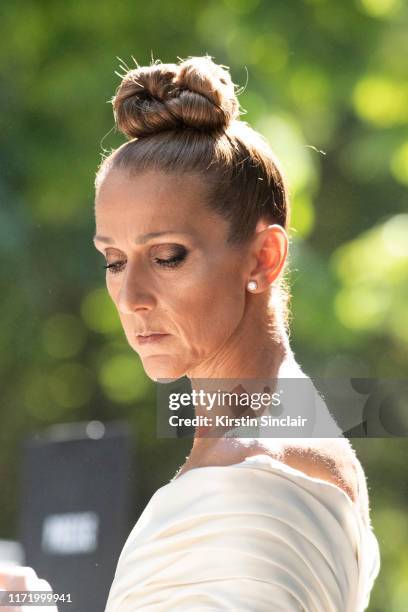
142,239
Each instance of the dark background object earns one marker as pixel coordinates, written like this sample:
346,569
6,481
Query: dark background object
75,504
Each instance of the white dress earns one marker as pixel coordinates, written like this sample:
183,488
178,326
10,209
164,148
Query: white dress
255,536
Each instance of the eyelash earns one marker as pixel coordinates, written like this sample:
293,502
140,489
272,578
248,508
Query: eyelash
173,262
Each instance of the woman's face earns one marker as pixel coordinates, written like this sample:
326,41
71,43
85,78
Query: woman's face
171,270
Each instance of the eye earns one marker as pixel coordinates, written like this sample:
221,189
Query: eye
114,267
175,260
169,262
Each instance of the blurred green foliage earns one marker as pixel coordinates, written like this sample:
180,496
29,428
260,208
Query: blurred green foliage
326,82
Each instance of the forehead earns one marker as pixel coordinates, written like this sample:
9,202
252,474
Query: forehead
149,190
153,201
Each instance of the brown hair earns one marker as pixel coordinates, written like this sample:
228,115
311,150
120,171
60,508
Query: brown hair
184,119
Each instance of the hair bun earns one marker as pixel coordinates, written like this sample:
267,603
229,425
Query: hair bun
194,93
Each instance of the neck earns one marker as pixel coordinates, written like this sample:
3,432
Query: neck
258,352
256,349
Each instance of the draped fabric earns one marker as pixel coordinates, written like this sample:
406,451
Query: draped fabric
254,536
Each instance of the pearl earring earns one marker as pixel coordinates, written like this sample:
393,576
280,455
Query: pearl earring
252,285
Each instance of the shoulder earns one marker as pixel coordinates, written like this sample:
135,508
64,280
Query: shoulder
332,460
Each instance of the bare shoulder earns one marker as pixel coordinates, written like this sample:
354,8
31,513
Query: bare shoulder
327,459
331,459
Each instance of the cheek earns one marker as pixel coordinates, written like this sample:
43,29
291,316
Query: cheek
113,288
209,313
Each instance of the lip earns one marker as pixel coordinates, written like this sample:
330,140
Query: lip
150,338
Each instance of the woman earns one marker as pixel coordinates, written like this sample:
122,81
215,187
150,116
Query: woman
192,216
246,523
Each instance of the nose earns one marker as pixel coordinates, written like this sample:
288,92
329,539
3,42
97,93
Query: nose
135,292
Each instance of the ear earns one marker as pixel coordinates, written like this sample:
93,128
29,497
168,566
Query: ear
268,252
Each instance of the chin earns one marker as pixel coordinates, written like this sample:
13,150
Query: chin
162,367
